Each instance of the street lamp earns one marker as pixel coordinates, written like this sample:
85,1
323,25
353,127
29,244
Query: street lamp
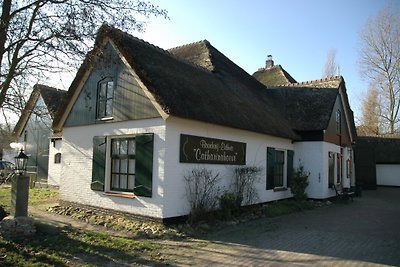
19,224
20,162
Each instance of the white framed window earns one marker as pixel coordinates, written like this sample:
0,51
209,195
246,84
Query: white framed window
279,168
123,164
105,95
122,171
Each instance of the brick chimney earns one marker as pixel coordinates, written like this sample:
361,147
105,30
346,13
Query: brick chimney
269,63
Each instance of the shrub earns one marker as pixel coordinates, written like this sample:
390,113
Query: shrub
299,183
229,203
243,184
202,191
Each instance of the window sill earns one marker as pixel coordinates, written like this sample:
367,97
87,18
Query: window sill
106,119
123,195
278,189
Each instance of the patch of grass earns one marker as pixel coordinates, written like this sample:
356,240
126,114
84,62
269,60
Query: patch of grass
5,197
51,246
42,195
286,207
77,248
37,196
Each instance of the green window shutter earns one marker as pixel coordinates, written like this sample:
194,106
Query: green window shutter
289,171
270,167
144,165
99,163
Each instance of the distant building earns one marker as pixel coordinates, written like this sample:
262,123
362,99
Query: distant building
33,128
378,161
273,75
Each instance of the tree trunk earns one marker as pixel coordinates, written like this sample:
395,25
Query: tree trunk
4,23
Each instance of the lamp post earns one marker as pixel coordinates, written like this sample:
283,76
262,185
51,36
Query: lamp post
20,162
20,187
19,224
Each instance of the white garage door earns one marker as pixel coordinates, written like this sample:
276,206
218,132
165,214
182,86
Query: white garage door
388,174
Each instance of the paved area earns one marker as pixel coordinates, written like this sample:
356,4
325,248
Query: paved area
365,232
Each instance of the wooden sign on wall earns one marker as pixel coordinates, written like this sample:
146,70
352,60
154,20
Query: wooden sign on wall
196,149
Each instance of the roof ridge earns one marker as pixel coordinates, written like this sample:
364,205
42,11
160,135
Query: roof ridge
47,87
273,67
189,44
111,28
204,41
310,82
165,51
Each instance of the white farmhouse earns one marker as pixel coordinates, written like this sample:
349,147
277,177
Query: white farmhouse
137,118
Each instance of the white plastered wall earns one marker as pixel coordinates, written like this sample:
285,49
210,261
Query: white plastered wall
54,172
169,188
76,173
314,157
176,203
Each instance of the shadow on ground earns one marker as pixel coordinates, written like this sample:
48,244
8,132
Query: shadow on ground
359,233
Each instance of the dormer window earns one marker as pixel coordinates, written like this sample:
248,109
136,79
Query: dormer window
105,94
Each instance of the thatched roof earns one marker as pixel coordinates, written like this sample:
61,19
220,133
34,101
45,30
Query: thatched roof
307,109
308,106
198,82
195,81
273,76
52,98
328,82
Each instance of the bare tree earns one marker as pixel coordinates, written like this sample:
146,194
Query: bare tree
370,124
6,138
380,62
331,67
40,37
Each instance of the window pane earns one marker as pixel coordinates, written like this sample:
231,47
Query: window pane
131,147
132,166
124,147
115,168
131,182
101,109
123,180
108,107
279,157
115,147
115,181
124,166
110,89
103,91
57,158
279,168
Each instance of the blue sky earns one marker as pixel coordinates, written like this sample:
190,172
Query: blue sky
297,33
